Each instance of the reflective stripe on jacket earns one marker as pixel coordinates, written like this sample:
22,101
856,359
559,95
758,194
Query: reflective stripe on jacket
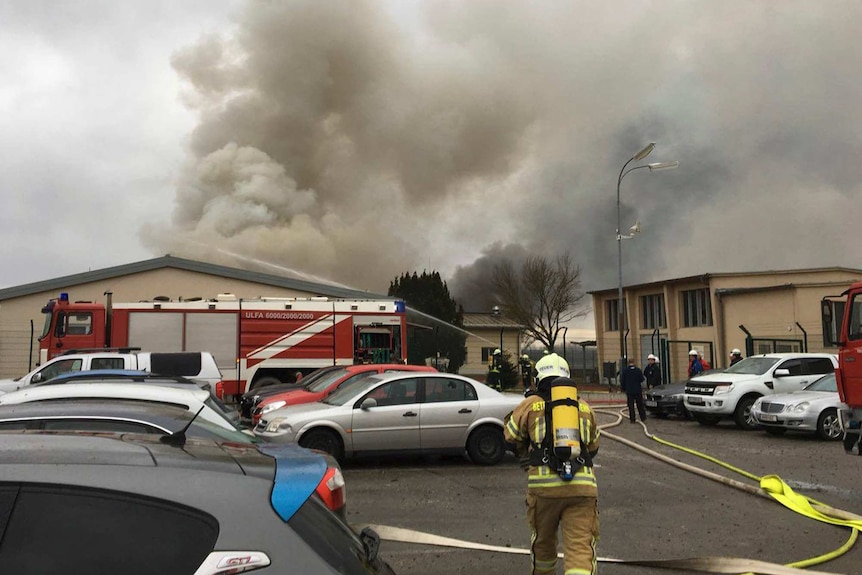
527,424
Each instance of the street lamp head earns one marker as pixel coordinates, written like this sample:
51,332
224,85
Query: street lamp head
658,166
644,153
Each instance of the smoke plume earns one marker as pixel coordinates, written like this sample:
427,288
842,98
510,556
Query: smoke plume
358,140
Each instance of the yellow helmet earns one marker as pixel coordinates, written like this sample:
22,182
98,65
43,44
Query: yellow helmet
552,365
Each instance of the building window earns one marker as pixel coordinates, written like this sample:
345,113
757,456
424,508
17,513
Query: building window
696,308
613,316
486,353
653,311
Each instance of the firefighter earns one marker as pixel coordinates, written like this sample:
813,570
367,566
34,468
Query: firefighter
735,356
561,492
526,372
495,365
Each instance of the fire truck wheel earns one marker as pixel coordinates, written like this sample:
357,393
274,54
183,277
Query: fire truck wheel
324,440
486,446
264,382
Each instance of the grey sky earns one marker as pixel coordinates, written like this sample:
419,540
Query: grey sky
358,140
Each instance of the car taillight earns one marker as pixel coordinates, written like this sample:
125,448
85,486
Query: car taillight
219,389
331,489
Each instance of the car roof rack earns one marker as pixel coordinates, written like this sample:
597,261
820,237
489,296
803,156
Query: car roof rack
101,349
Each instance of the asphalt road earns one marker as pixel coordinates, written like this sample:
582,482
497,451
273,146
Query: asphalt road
648,508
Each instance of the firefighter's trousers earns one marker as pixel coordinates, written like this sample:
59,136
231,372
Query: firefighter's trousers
577,518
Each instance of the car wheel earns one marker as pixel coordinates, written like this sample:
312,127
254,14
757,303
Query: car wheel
828,426
775,430
486,446
324,440
742,414
705,419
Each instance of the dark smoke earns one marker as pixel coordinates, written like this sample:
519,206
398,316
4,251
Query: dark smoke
354,140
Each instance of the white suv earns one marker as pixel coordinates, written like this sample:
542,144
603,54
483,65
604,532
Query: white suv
731,392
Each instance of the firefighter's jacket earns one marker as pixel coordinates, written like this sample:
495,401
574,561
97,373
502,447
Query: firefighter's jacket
526,428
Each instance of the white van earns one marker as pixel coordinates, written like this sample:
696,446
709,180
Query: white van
731,393
199,366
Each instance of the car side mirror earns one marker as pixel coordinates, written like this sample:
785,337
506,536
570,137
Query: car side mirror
368,403
781,372
37,378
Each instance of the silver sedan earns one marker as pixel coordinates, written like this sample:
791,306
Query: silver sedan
814,409
399,413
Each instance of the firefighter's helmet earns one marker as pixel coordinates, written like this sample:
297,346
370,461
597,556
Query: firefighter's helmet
693,352
497,351
525,357
735,351
551,365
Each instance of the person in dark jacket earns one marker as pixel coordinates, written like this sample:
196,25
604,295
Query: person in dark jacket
631,380
652,372
735,356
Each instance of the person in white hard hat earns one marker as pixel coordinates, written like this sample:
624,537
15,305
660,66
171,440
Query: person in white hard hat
735,356
495,366
695,365
557,504
652,372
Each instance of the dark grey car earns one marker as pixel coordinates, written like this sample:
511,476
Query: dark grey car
667,399
105,504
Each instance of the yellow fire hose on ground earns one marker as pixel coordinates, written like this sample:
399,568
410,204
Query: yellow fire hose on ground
770,487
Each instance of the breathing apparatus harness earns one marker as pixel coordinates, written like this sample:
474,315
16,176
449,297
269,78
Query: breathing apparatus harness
562,448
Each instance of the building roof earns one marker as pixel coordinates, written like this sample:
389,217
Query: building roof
169,261
705,278
489,321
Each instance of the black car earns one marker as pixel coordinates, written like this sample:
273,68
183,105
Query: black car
666,400
133,504
252,397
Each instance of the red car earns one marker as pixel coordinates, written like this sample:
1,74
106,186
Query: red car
323,386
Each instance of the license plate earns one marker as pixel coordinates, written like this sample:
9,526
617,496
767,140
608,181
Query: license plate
768,417
695,401
651,403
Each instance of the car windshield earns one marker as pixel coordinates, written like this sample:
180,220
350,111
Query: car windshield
323,382
753,365
225,434
349,390
309,379
213,403
825,383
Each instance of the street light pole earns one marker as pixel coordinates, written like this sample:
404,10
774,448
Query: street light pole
623,172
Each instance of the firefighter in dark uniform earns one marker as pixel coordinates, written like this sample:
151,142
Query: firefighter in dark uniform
495,366
557,501
526,372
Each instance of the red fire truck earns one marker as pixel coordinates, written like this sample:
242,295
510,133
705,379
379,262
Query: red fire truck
845,316
255,341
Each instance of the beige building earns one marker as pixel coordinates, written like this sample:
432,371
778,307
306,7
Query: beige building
20,307
757,312
488,332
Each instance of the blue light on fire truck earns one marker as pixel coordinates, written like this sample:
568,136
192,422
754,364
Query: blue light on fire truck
399,306
64,296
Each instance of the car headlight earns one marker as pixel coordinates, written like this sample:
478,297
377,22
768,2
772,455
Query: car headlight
756,405
272,406
799,407
722,389
278,425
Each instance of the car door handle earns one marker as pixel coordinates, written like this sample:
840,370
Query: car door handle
409,414
465,410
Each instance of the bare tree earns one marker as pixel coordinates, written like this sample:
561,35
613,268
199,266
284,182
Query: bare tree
542,295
